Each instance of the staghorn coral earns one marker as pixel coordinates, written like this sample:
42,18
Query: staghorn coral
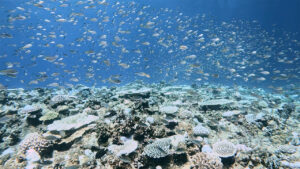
112,161
224,149
125,127
133,126
104,133
205,161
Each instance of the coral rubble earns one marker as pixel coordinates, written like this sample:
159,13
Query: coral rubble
148,126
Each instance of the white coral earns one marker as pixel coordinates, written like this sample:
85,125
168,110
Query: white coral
199,130
169,109
28,109
128,147
72,122
224,149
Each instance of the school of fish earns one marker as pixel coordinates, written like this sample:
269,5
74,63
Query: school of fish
63,43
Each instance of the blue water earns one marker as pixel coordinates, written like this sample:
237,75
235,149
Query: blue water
237,37
267,12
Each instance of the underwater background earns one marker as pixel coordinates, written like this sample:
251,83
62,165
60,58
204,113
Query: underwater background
149,84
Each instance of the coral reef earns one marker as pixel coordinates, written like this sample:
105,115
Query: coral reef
148,126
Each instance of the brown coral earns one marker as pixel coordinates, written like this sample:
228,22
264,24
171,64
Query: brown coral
205,161
34,141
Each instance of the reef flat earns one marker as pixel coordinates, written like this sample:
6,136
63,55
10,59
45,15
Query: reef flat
149,126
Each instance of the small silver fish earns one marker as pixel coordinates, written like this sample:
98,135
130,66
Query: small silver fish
9,72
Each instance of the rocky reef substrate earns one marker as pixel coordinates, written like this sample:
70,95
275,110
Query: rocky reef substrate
149,126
